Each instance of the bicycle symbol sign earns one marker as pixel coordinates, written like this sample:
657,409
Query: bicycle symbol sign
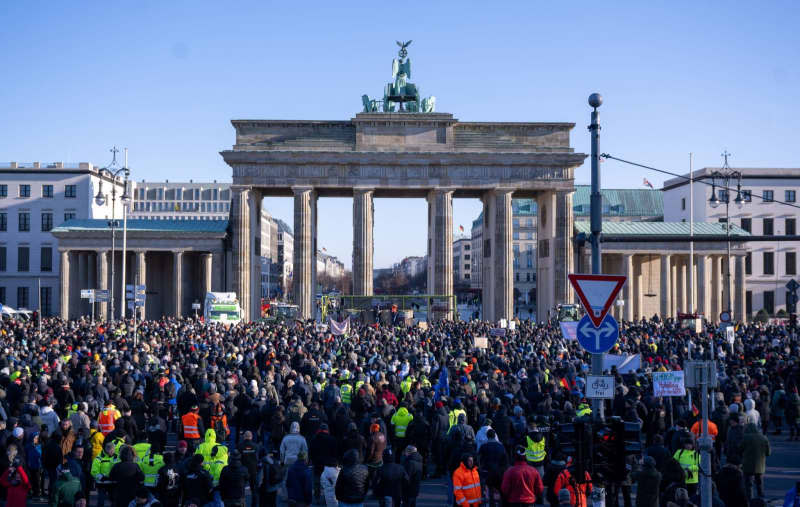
600,386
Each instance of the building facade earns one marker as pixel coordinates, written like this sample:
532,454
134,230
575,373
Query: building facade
34,199
285,256
462,262
411,266
772,251
181,200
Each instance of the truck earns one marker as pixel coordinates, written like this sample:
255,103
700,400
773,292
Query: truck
222,307
567,313
280,312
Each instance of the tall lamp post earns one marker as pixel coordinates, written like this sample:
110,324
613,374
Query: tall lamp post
100,199
725,176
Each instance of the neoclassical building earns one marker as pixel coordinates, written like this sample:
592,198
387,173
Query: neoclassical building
177,260
655,258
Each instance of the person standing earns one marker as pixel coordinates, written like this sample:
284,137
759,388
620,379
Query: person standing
127,478
232,481
328,485
730,483
522,485
292,445
413,464
250,451
755,449
192,427
689,460
467,482
66,488
648,482
16,483
352,483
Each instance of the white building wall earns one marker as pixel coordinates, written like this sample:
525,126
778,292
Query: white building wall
761,284
84,179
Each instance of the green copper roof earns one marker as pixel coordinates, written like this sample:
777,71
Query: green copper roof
621,202
212,226
662,229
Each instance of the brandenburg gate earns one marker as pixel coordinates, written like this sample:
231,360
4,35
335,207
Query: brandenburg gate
400,147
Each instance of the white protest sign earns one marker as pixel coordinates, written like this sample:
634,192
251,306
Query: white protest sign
512,325
730,334
668,383
600,386
481,342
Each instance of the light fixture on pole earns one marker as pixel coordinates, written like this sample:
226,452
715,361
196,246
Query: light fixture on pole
112,173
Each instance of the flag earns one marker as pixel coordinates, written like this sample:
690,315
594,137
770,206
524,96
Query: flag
647,183
695,412
177,207
442,387
324,249
564,383
461,228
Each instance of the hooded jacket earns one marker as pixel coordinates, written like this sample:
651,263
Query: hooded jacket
351,485
755,449
292,444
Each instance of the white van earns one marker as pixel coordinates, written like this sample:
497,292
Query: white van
7,313
24,314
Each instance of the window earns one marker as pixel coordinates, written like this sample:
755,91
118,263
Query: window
527,277
791,263
769,263
466,276
2,294
69,215
3,191
769,301
46,301
748,264
47,221
47,191
466,257
466,247
790,196
723,195
46,259
791,226
768,227
466,266
22,297
683,203
517,277
24,190
723,220
3,221
2,262
747,195
747,224
23,259
70,191
24,221
768,195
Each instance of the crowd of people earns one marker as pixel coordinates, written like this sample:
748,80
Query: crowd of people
288,413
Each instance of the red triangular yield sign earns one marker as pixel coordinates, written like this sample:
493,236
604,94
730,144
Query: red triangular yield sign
597,293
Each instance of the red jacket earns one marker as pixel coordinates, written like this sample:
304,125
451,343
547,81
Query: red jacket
522,483
17,494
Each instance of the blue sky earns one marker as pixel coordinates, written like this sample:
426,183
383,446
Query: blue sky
165,78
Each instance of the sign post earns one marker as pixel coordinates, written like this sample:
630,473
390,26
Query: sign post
597,331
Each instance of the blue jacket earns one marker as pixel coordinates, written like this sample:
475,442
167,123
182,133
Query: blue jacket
299,482
792,499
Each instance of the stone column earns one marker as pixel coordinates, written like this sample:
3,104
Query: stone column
666,293
701,284
305,252
684,284
141,277
363,245
206,264
177,280
498,257
715,288
547,231
627,289
740,289
82,259
673,273
102,282
440,248
241,251
563,247
65,286
726,283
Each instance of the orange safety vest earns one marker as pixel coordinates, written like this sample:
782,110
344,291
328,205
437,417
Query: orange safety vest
220,416
467,486
107,418
191,425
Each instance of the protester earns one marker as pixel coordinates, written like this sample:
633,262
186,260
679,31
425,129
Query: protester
275,391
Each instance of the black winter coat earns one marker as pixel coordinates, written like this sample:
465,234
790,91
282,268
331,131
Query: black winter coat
232,480
351,485
413,467
730,485
390,481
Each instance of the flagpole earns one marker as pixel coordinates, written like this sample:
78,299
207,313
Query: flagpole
691,236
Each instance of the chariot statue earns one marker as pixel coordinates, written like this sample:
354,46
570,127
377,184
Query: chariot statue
400,91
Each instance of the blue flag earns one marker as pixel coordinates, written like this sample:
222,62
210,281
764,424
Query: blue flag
442,387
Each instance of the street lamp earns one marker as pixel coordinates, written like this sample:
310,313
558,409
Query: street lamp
100,199
725,175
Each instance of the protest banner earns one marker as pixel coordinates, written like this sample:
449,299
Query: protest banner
668,383
481,342
624,363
